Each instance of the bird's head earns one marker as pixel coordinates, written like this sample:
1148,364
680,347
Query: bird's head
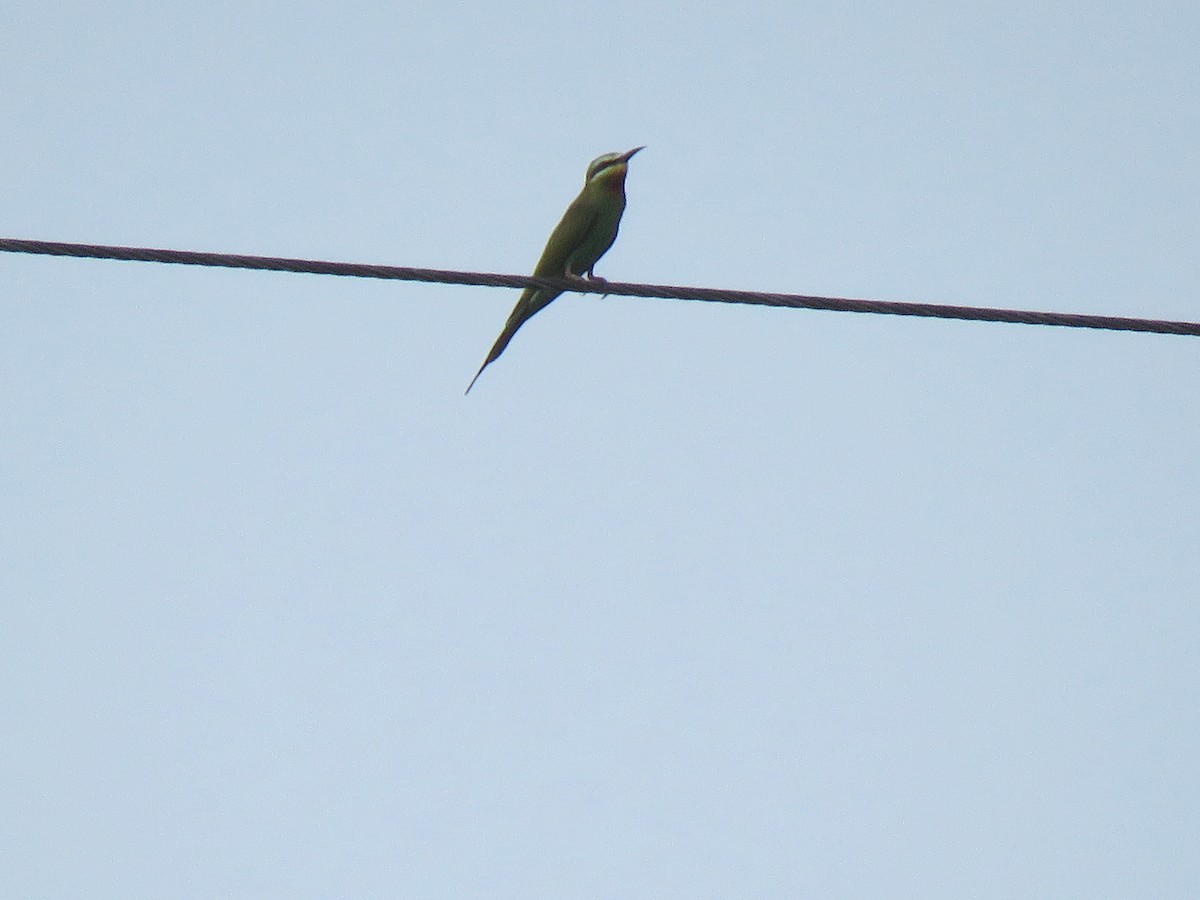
610,166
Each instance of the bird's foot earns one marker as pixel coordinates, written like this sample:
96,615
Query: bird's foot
588,280
595,280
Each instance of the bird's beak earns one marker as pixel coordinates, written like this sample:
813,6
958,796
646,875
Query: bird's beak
628,156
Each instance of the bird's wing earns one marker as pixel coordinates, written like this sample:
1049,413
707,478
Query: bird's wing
571,231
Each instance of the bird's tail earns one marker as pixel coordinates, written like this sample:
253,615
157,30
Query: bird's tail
495,354
510,328
531,302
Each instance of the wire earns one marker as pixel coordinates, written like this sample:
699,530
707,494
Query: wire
619,288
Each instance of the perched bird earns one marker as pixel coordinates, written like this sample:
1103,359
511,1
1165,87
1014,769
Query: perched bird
588,228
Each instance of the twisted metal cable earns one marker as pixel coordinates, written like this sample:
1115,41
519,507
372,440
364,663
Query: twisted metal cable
618,288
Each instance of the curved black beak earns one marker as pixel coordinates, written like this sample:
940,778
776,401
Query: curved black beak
625,157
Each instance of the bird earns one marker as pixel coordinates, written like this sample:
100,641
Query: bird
586,231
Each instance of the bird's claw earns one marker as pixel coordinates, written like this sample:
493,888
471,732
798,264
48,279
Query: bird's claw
595,280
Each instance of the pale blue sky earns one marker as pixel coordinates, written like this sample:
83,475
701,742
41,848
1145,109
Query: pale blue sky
685,600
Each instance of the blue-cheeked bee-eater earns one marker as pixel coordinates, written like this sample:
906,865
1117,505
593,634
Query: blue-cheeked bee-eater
588,228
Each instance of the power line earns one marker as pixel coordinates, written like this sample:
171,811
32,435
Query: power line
618,288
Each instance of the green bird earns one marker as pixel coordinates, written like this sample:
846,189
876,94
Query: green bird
588,228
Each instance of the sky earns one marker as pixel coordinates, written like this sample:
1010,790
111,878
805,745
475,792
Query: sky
685,599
